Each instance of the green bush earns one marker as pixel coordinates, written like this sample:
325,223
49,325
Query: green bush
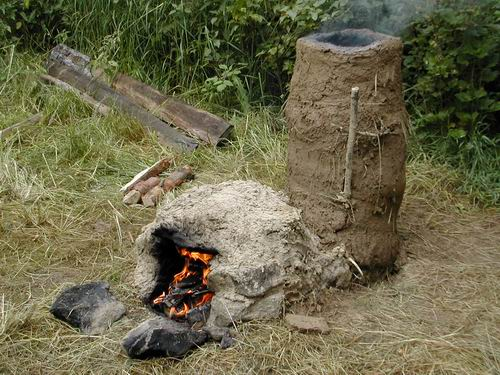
451,66
451,69
35,23
244,48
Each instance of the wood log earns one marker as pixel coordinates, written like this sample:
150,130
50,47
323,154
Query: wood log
177,178
132,197
103,93
154,170
201,124
152,197
98,107
30,121
144,186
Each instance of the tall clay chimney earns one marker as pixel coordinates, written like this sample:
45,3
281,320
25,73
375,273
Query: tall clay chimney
328,66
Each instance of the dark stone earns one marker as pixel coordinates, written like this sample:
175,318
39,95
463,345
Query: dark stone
216,333
198,314
90,307
227,341
162,337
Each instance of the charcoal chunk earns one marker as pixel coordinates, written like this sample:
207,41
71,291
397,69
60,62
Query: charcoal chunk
162,337
227,341
216,333
198,314
90,307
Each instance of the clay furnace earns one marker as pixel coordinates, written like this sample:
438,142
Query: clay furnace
261,254
318,108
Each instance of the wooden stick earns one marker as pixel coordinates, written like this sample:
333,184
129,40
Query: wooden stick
177,178
98,107
152,171
201,124
32,120
353,124
102,92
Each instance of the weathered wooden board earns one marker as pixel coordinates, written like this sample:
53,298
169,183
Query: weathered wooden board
99,107
71,58
105,94
201,124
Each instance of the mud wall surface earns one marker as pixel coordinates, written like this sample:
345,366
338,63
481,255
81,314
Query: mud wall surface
266,258
317,113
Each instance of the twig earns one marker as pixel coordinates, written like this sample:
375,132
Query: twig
32,120
99,107
353,124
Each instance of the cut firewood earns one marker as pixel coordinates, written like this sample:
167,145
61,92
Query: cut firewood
30,121
99,107
152,197
144,186
177,178
201,124
132,197
103,93
154,170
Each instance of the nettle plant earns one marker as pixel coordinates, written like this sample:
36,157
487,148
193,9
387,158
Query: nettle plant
451,64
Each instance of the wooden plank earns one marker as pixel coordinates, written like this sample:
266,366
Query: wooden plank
152,171
99,107
201,124
30,121
71,58
105,94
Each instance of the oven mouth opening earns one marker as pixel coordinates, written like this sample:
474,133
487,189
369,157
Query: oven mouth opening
181,290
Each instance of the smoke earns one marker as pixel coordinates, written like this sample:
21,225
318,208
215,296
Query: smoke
385,16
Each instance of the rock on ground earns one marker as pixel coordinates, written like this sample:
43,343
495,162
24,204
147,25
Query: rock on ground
162,337
266,257
90,307
304,323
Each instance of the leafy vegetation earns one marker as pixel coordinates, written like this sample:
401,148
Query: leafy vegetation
62,223
243,49
240,53
451,66
33,22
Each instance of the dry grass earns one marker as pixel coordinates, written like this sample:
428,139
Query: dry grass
61,223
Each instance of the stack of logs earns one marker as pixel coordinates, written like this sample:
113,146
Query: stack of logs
147,187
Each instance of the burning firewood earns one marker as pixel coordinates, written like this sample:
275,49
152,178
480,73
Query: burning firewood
187,296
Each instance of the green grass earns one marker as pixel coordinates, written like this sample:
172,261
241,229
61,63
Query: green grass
62,222
474,161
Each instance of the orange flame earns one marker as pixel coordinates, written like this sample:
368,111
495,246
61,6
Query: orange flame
183,274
